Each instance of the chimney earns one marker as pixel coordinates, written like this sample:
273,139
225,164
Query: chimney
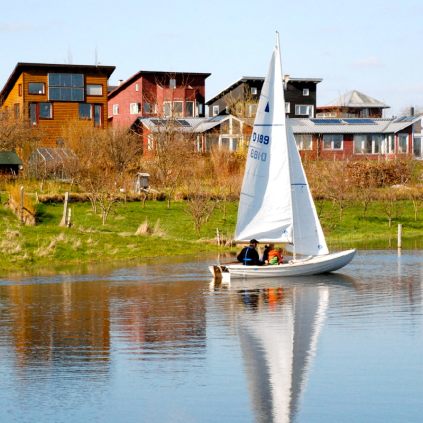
120,82
412,111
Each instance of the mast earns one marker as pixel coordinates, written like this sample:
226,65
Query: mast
289,155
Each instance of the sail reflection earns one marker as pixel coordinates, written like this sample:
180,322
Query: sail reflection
278,329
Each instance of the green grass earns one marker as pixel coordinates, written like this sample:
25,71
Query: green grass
88,240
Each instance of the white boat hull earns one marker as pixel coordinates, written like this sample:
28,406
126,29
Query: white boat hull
313,266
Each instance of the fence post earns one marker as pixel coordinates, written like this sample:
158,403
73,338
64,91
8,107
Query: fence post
22,204
65,210
218,237
399,237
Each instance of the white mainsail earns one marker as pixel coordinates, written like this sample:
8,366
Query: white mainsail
276,204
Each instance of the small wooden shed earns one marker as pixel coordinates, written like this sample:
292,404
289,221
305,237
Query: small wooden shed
10,163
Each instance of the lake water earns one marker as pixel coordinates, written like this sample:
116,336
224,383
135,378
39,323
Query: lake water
159,342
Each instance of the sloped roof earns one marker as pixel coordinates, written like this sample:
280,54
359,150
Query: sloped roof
136,76
55,155
378,126
356,99
9,158
52,67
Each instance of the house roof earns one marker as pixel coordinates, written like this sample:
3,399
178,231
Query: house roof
22,67
133,78
55,155
251,79
355,99
9,158
352,126
197,125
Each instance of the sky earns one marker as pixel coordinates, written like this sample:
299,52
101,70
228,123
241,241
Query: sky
371,46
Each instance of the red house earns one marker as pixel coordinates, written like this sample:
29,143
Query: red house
178,94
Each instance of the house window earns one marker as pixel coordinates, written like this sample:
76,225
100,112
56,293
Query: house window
306,110
332,142
189,109
306,91
402,143
253,90
65,87
368,144
287,107
172,83
304,141
115,109
200,108
85,111
36,88
391,143
39,111
417,147
149,108
98,115
364,113
135,108
178,108
167,108
16,110
94,89
215,110
20,90
238,109
137,88
150,142
252,110
60,142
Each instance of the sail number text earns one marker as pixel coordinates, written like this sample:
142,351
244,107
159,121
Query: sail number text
262,139
258,155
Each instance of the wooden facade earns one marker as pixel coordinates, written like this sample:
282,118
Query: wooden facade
19,101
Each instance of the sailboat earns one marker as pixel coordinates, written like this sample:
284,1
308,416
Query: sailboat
276,205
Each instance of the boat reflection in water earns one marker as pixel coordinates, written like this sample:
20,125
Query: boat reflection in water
278,329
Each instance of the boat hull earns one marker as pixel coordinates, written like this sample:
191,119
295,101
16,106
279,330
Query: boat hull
313,266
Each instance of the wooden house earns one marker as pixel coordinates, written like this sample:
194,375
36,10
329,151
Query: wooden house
352,105
161,94
300,97
50,95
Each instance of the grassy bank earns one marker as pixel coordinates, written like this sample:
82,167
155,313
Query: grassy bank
88,240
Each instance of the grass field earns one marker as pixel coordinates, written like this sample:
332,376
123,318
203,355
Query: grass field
88,240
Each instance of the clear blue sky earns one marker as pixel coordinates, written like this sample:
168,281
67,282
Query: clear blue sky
372,46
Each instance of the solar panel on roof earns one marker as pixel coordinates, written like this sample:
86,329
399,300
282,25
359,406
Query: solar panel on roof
327,121
183,122
360,121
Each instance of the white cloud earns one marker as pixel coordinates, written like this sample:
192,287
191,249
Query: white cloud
372,62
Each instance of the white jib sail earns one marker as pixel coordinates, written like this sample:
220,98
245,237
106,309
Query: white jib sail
308,234
265,203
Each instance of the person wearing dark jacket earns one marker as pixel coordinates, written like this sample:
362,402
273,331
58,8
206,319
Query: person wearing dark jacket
249,255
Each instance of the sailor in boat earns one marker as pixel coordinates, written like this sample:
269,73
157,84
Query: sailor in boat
249,255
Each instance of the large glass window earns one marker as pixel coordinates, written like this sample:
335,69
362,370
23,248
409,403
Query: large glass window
39,111
189,109
65,87
215,110
332,141
391,143
178,108
94,89
85,111
402,143
304,141
172,83
149,108
36,88
304,109
417,147
368,143
167,108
